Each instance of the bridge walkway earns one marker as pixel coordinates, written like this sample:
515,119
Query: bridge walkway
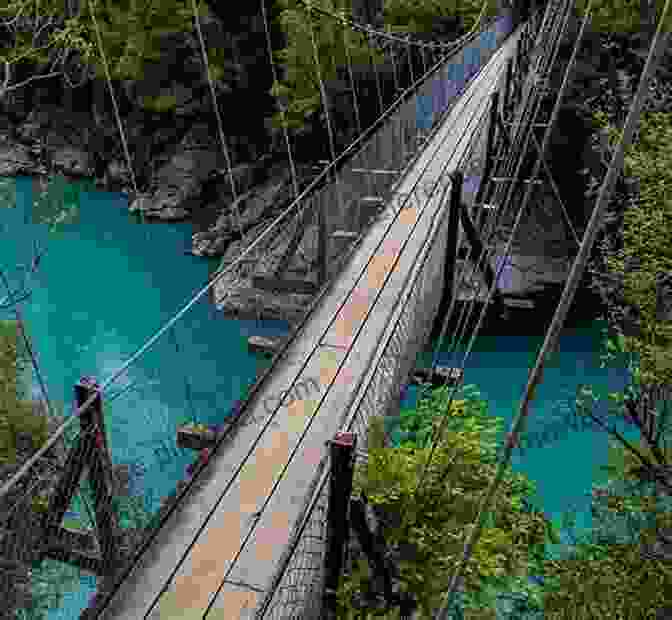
216,555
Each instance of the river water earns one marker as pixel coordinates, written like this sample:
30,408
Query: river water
106,283
104,286
563,467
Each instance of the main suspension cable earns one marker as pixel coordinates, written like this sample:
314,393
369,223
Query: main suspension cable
220,126
219,275
283,113
108,78
398,39
553,332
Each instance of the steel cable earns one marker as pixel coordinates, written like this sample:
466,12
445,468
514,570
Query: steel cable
219,275
549,343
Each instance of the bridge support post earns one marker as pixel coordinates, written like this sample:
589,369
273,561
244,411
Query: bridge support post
478,251
518,76
506,103
487,169
92,422
342,449
321,242
450,264
90,451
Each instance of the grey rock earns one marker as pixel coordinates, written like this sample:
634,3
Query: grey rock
179,185
17,159
117,172
245,212
72,161
664,297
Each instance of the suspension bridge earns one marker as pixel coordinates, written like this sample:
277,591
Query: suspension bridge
424,201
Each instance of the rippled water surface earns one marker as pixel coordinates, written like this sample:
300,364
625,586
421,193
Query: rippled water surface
106,283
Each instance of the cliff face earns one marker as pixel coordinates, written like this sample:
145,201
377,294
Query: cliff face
605,78
177,156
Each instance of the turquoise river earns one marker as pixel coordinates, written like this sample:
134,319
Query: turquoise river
106,283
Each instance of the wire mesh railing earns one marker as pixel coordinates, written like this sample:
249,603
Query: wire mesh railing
148,468
310,246
297,589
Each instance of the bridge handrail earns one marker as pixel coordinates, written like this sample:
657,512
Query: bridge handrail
315,497
318,487
320,181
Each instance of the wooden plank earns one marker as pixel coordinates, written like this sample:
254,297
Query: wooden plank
516,302
75,547
263,344
442,375
284,286
366,170
344,234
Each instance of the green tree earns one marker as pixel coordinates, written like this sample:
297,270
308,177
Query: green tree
310,34
16,414
646,251
609,573
431,525
624,17
315,33
421,16
47,33
613,572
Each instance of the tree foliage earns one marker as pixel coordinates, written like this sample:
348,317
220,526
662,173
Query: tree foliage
47,32
624,16
432,524
421,16
609,573
613,572
646,251
317,47
16,413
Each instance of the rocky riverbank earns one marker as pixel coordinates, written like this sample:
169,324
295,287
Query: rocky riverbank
181,169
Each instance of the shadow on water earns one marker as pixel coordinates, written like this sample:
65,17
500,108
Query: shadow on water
105,284
498,365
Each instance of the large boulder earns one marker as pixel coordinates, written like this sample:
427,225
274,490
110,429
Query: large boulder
243,214
179,185
72,161
17,159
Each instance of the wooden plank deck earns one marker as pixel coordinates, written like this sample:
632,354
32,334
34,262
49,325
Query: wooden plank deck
219,550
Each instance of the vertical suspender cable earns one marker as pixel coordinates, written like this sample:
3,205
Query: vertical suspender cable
332,146
369,39
358,119
410,59
114,103
220,126
323,91
550,343
394,70
283,115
